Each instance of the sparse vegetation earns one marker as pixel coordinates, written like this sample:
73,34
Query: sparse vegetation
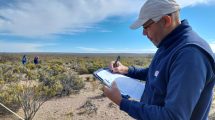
28,86
56,74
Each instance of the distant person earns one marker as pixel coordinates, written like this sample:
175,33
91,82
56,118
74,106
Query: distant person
24,59
36,60
181,76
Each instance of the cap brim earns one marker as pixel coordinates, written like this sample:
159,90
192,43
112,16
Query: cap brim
137,24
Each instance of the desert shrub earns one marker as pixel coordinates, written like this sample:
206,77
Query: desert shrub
1,83
93,68
31,97
1,73
23,69
70,82
38,66
82,70
8,98
6,67
16,69
51,89
31,75
56,69
7,73
8,57
30,66
88,108
56,62
58,81
51,84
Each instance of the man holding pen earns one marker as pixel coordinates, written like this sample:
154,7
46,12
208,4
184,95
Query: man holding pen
181,76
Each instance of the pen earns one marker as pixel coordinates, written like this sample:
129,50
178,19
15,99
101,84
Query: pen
115,63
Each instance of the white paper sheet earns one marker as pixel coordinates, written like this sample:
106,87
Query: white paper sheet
127,86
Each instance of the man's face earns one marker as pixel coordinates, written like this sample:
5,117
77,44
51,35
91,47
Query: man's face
153,31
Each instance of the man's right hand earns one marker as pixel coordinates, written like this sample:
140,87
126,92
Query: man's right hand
119,69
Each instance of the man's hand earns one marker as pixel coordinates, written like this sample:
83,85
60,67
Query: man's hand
113,93
119,69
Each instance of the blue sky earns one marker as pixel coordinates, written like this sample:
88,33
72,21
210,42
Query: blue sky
88,26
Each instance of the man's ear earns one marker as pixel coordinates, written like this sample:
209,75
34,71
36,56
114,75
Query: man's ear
167,21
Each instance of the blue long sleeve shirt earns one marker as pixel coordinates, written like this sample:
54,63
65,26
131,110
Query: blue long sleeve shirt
179,80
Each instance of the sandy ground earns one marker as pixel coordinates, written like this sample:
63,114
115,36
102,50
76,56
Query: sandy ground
89,104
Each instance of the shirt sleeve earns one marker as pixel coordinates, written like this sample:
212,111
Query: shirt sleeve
137,73
187,76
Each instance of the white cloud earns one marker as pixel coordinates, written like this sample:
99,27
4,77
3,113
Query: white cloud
21,47
46,17
111,50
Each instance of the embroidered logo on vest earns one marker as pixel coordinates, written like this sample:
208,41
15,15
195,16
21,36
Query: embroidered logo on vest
156,73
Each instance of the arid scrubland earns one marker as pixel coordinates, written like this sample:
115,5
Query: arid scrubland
61,86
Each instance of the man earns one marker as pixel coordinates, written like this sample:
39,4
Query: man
181,76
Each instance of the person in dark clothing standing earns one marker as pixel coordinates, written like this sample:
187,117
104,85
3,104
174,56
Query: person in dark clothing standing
24,59
36,60
181,76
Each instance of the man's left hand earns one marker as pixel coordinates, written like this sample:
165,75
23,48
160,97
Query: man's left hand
113,93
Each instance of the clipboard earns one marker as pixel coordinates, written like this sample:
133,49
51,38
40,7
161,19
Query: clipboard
128,86
104,81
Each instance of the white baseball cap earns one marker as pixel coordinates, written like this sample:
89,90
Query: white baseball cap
155,9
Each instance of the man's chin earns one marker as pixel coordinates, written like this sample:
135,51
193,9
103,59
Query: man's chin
155,44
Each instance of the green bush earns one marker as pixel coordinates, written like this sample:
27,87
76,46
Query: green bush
71,83
30,66
9,99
